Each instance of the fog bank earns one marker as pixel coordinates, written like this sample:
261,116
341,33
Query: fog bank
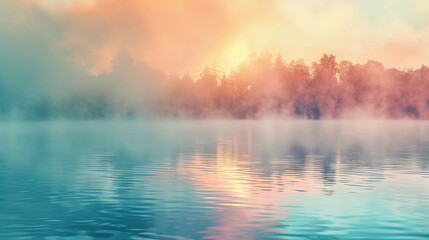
72,59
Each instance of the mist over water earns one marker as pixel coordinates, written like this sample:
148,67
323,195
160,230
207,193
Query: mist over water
99,137
214,180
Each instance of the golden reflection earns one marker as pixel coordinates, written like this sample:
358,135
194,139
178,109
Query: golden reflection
243,194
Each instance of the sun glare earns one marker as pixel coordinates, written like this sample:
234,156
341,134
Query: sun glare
237,54
231,56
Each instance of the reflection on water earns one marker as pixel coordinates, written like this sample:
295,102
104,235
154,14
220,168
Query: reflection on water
215,180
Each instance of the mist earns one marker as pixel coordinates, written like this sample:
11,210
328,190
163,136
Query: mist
40,78
264,87
192,59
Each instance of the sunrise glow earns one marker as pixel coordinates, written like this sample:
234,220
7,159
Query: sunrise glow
214,119
185,35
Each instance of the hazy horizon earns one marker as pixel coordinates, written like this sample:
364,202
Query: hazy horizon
214,119
76,59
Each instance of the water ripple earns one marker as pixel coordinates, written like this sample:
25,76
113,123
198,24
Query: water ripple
215,180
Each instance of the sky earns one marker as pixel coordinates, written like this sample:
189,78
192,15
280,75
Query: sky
51,50
186,35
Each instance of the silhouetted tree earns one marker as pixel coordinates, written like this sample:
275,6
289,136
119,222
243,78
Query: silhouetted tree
327,89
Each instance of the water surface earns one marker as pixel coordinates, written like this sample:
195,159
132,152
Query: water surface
214,180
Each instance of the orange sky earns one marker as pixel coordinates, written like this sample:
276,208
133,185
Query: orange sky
186,35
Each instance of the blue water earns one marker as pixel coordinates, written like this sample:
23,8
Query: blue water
214,180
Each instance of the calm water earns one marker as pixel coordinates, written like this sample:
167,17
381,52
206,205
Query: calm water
214,180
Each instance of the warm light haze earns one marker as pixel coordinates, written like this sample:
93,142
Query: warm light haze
237,59
214,119
186,35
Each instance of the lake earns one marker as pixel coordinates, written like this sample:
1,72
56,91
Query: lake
218,179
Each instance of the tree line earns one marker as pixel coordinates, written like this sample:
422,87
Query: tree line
325,90
261,86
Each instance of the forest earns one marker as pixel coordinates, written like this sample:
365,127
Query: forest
260,87
263,86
